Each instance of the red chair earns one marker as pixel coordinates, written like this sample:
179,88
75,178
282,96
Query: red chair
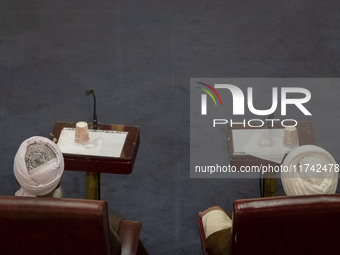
60,226
284,225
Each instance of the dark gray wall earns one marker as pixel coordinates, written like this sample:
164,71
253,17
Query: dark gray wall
139,56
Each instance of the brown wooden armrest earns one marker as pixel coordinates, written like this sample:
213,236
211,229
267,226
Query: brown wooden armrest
129,232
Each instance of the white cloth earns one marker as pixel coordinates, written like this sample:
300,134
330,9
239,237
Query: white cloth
214,221
43,179
311,170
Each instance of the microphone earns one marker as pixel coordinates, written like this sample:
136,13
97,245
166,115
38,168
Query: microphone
89,92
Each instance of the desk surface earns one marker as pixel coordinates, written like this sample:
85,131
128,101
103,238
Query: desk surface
120,165
305,133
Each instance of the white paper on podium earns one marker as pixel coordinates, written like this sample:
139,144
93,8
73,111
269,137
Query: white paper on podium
103,143
262,143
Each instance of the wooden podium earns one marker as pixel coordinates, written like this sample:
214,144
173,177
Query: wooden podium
306,136
94,165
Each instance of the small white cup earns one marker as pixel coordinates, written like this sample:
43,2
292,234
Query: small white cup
81,133
290,137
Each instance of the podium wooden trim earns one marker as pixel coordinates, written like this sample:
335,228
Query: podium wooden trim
94,165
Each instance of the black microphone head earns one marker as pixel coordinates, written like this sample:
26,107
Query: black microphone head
89,92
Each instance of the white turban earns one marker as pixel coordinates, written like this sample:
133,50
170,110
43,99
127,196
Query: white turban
38,166
309,170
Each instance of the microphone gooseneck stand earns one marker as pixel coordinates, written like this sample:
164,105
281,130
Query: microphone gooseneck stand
93,178
89,92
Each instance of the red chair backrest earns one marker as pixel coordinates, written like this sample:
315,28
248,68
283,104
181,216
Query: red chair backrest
286,225
53,226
